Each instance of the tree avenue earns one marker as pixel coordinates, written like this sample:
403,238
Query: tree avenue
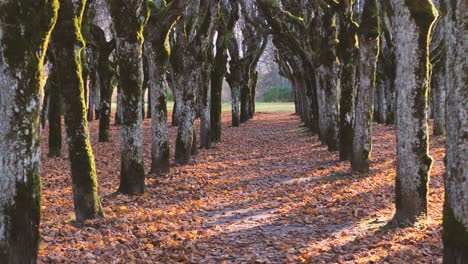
351,64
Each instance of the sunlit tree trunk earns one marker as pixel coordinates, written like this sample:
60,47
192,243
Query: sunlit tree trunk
412,23
438,74
129,18
455,219
22,47
68,45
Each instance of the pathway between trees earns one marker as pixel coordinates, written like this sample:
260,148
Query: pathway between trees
268,193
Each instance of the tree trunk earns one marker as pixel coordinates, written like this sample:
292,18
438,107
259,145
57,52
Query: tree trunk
217,78
128,17
178,105
55,113
22,47
348,56
412,26
45,106
205,125
160,150
245,97
235,102
148,108
118,110
189,82
455,219
438,80
105,78
368,36
68,47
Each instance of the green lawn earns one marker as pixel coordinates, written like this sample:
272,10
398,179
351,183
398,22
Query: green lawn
260,107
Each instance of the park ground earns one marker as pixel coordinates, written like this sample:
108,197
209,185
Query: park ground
269,192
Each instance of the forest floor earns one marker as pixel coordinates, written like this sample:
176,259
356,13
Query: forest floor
268,193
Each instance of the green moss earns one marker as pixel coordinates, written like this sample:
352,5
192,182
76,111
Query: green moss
370,24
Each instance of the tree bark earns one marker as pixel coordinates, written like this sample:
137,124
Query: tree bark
55,113
438,80
205,123
160,150
129,18
68,46
106,73
412,26
368,35
23,46
455,219
348,56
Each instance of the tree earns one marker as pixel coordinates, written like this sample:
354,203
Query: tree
455,219
412,24
368,37
55,109
347,52
193,36
439,74
157,52
229,15
68,45
26,26
129,18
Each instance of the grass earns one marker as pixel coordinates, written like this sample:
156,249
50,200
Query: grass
260,107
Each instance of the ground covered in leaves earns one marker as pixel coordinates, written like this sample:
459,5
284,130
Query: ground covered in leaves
268,193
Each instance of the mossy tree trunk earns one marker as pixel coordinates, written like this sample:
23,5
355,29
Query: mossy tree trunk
455,219
129,18
412,23
205,100
68,45
331,81
160,150
25,27
234,78
157,54
194,34
368,36
348,56
55,113
229,16
105,71
385,79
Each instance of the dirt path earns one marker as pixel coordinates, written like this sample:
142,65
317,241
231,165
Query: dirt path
268,193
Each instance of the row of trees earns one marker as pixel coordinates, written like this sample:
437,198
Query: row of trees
351,61
337,55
